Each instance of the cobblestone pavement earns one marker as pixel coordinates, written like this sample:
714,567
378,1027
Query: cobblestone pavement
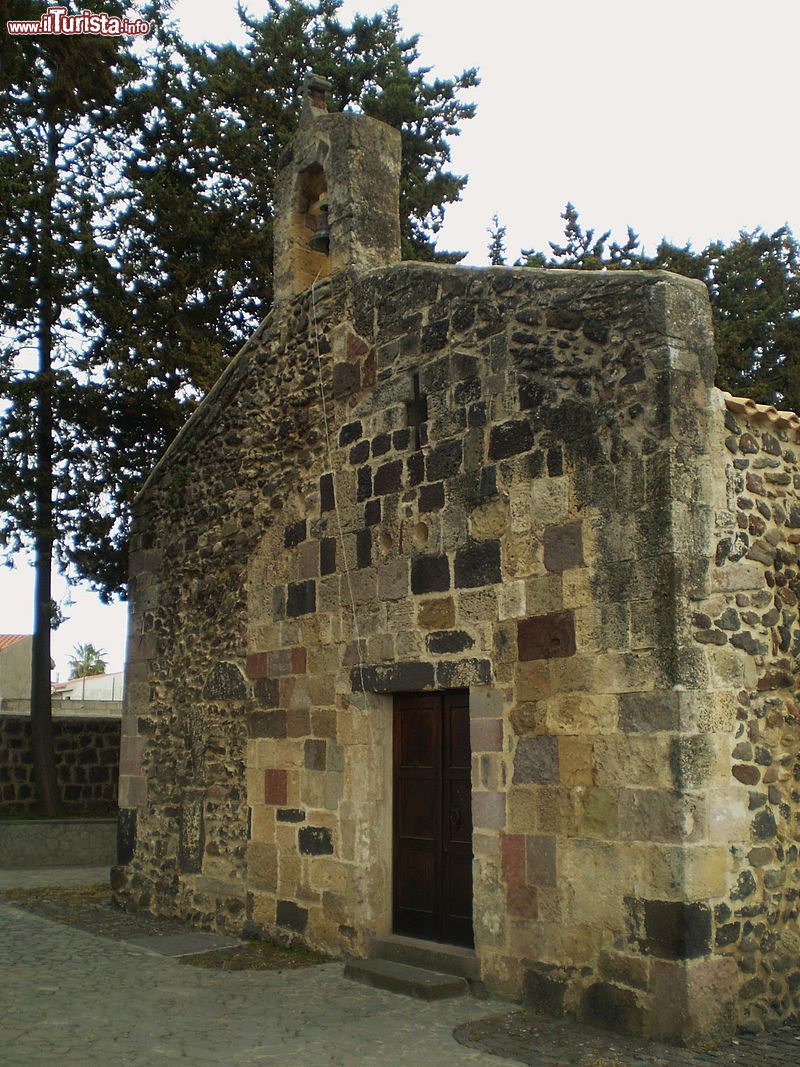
70,998
76,999
523,1037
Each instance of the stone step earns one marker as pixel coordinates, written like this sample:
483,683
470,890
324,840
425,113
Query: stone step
431,955
411,981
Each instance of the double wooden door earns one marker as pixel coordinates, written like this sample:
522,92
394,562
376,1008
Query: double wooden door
433,817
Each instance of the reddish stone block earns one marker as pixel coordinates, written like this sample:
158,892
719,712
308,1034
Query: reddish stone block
512,847
275,787
547,636
355,345
257,665
299,660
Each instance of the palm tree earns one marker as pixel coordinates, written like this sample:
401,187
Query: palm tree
86,660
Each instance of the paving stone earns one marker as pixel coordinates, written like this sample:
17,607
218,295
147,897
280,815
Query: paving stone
143,1008
185,944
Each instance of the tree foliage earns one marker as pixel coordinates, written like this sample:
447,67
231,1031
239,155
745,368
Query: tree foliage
57,102
753,284
192,225
497,242
86,660
159,196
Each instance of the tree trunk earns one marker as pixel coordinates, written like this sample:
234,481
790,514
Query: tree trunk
41,704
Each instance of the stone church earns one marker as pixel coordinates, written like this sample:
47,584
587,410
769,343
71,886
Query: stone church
464,613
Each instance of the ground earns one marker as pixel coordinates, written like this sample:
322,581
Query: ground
78,998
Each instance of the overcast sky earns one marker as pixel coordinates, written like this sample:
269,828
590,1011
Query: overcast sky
676,118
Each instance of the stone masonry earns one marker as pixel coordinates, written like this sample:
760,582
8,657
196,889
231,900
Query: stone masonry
87,764
518,482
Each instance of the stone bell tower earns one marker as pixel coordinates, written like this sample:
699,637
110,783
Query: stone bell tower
336,196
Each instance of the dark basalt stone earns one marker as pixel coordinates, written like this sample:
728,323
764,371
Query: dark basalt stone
430,574
225,682
291,916
315,841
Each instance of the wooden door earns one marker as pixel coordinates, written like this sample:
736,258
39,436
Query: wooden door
433,817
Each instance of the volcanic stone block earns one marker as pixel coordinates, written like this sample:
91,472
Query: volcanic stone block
647,712
315,841
314,755
225,682
267,723
349,433
364,486
346,379
430,574
443,461
291,916
463,673
359,453
394,678
389,478
478,564
327,500
266,692
546,636
563,546
301,598
545,991
536,761
510,439
415,465
612,1008
294,534
381,444
126,835
441,641
363,548
327,555
673,929
290,815
431,497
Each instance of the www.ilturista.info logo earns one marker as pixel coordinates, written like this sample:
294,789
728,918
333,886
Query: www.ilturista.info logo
57,20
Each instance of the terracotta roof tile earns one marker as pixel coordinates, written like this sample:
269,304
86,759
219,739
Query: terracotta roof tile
6,640
781,420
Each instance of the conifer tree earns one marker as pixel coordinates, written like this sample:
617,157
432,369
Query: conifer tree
497,242
753,284
57,97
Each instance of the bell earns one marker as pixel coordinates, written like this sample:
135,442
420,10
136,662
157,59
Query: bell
321,239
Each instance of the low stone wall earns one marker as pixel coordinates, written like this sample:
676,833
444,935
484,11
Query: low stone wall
87,764
57,843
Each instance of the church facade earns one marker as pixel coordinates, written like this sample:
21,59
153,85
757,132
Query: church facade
465,608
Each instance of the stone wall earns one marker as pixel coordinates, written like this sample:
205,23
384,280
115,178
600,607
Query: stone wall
543,539
87,764
750,624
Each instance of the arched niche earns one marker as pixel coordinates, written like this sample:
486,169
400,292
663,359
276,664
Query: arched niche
310,192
